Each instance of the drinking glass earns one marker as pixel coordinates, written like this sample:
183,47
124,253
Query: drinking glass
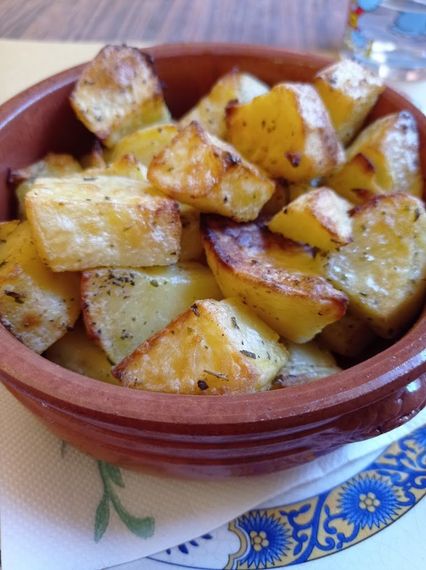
389,36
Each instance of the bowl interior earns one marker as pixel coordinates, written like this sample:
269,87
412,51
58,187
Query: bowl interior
40,120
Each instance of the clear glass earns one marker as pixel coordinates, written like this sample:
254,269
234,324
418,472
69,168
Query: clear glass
389,36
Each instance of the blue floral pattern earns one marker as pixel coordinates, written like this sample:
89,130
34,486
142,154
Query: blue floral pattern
337,518
368,501
268,538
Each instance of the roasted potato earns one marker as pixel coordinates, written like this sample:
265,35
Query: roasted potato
36,305
145,143
383,271
77,352
118,93
348,337
277,278
287,132
349,91
81,223
215,347
306,362
191,247
200,170
383,158
232,87
124,307
319,218
52,164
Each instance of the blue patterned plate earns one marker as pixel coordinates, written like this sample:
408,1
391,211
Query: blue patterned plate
312,528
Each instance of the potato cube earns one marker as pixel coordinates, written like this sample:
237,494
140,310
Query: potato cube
277,278
191,247
36,305
202,171
230,348
86,222
124,307
287,132
118,93
349,91
319,218
383,271
306,362
349,337
232,87
145,143
52,164
78,353
383,158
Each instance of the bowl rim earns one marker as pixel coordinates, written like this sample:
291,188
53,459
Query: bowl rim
341,393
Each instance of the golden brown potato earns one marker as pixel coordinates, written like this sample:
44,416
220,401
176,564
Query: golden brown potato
202,171
118,93
36,305
145,143
232,87
383,158
349,91
319,218
86,222
277,278
77,352
306,362
52,164
383,271
124,307
349,337
287,132
191,247
230,348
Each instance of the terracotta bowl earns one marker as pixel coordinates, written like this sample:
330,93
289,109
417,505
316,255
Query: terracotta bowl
193,436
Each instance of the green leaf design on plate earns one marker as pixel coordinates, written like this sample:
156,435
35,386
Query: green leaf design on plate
101,518
114,474
111,475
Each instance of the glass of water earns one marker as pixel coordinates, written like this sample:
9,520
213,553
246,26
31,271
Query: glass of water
389,36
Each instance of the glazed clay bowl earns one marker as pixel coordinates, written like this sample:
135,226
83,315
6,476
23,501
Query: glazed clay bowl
200,436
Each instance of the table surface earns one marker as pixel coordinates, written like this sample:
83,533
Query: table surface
296,24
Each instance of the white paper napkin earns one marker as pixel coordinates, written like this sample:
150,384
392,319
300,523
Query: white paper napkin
60,505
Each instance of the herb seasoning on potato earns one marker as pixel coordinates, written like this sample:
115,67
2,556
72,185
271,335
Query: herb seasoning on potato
235,250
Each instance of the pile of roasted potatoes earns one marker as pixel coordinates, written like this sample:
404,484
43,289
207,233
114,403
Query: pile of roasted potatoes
238,249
